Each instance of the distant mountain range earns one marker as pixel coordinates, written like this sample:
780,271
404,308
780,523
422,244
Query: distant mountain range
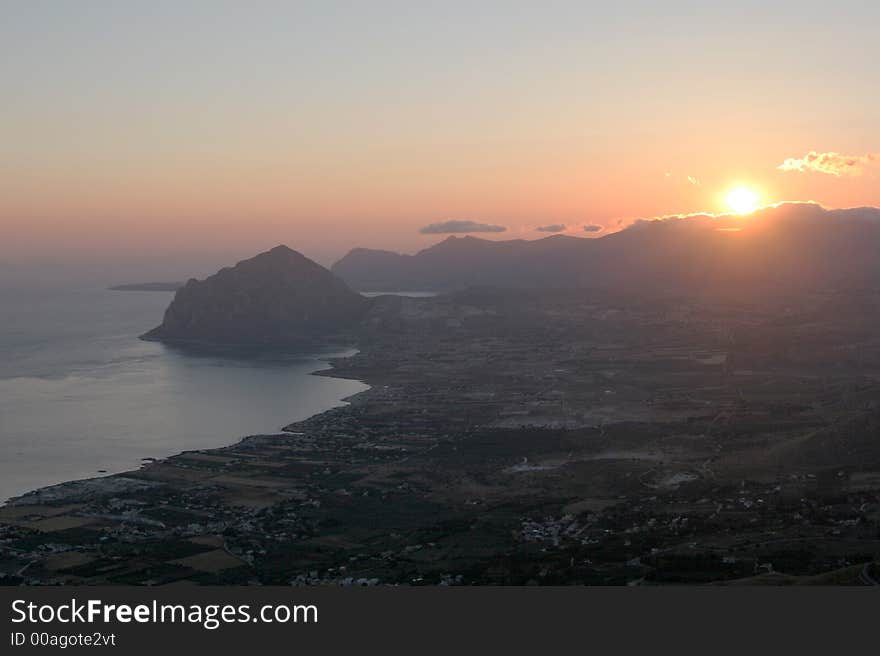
282,296
792,246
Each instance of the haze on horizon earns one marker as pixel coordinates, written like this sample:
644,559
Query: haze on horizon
162,140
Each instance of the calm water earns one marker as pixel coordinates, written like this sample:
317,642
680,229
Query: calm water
409,294
80,393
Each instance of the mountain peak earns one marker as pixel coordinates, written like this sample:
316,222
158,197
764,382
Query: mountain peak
282,253
282,249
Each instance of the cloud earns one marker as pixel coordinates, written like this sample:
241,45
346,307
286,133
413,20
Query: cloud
692,179
783,209
456,226
554,227
830,163
593,228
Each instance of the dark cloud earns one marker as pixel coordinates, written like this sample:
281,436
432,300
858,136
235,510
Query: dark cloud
457,226
553,227
593,228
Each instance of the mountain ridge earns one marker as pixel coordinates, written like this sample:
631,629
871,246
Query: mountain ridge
785,246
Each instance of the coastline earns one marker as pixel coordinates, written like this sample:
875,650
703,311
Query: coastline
463,463
57,491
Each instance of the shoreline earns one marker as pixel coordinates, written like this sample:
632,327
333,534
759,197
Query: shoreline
93,481
585,455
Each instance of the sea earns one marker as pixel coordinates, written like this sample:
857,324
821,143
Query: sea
81,396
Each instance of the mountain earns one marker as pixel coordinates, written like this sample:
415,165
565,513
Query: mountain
276,296
792,247
459,262
783,248
373,270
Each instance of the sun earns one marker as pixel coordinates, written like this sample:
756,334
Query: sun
742,200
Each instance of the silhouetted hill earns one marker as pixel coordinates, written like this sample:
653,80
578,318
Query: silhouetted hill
277,296
373,270
458,262
789,247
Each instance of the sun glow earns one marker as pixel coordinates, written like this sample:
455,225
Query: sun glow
742,200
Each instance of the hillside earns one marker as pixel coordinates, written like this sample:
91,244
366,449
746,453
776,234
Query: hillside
277,296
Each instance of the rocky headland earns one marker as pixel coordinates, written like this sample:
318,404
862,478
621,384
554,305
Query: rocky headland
276,297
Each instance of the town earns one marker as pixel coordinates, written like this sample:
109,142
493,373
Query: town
519,438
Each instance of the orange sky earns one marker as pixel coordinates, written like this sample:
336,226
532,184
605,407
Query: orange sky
149,136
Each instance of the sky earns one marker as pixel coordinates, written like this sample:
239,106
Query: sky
164,139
